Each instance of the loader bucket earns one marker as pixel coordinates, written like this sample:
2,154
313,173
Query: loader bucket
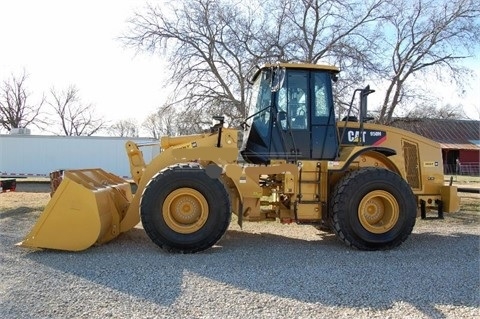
84,210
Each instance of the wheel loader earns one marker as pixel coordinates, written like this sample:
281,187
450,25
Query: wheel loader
293,162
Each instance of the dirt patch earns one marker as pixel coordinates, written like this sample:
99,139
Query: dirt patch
22,201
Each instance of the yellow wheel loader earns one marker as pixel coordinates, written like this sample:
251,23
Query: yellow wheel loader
298,163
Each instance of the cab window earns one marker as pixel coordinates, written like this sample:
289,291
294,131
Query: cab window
292,101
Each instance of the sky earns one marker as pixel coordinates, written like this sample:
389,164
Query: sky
70,42
60,43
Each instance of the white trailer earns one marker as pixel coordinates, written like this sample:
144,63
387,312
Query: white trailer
37,155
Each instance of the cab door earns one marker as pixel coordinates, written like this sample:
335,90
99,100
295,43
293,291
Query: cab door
324,141
293,116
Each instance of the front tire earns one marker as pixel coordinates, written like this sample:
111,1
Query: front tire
184,210
373,209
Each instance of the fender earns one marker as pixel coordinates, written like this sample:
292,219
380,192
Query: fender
387,152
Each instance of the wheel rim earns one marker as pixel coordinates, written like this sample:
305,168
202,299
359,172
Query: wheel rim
185,210
378,212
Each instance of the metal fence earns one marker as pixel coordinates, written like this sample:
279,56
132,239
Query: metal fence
467,168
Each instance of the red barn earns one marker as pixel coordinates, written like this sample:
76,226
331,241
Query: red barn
459,139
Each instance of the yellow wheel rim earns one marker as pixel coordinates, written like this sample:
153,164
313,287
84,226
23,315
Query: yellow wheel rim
378,212
185,210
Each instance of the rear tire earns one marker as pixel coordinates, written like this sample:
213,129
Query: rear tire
373,209
184,210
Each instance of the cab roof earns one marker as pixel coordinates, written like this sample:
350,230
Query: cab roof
324,67
305,66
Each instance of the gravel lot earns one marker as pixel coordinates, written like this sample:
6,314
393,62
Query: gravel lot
267,270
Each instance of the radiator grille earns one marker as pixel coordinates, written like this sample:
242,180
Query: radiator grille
410,153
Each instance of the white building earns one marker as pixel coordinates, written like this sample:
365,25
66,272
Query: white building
38,155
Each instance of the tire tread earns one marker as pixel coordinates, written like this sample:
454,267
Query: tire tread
171,172
353,182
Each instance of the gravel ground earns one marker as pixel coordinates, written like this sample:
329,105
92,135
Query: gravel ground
266,270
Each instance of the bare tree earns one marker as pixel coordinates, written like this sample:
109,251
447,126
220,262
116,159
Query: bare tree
124,128
75,118
337,31
193,121
152,125
161,122
213,44
207,63
16,110
446,111
425,35
169,120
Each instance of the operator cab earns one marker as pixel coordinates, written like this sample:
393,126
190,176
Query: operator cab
291,114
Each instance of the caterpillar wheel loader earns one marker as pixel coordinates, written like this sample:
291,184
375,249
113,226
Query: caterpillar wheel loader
365,182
